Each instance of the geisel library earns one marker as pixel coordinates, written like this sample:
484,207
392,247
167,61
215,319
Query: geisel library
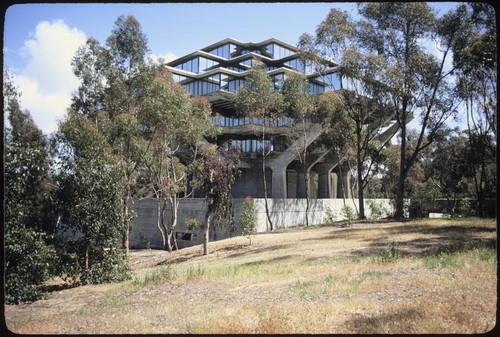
217,72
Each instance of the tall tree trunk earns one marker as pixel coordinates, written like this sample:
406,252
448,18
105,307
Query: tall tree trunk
359,166
306,173
126,223
264,180
402,170
174,206
159,215
206,233
166,228
400,197
306,180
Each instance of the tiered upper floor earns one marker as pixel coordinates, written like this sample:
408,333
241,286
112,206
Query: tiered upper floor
223,66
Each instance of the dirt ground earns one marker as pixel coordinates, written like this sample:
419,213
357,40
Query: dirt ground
327,275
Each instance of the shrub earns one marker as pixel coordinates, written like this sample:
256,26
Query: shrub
192,224
348,213
377,211
28,261
330,217
390,254
248,219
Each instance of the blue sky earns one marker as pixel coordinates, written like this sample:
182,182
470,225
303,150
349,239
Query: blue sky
40,39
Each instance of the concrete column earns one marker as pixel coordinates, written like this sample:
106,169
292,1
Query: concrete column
344,188
291,187
334,184
278,183
301,184
324,183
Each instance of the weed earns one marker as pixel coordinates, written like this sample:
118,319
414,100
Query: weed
348,213
302,285
442,260
330,279
195,272
156,276
330,217
390,254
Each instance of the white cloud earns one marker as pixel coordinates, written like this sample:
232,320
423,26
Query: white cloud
169,56
45,108
47,80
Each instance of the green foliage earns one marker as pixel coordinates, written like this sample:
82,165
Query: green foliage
248,219
330,217
157,276
390,254
192,224
258,98
28,252
377,211
90,201
466,208
28,263
195,272
446,256
216,174
348,213
443,260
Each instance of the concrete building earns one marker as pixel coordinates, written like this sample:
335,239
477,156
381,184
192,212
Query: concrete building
219,70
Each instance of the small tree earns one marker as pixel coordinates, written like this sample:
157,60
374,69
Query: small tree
248,219
216,175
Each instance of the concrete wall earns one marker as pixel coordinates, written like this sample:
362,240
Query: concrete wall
284,213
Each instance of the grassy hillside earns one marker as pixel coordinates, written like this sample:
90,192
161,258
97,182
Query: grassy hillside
427,276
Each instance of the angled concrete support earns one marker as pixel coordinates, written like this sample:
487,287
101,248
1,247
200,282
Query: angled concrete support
279,164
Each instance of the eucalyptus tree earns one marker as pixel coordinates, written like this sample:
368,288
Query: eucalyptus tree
475,58
215,176
299,104
176,126
335,39
89,201
114,80
29,221
258,100
421,81
409,77
447,166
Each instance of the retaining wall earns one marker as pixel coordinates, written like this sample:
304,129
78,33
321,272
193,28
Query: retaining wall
284,213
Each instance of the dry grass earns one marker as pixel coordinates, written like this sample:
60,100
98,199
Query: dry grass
434,276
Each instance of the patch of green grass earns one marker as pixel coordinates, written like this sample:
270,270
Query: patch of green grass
485,254
390,254
195,272
302,285
445,256
331,279
443,260
156,276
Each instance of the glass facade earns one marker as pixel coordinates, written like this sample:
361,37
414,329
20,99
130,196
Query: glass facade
226,51
232,52
277,52
296,64
240,121
198,65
